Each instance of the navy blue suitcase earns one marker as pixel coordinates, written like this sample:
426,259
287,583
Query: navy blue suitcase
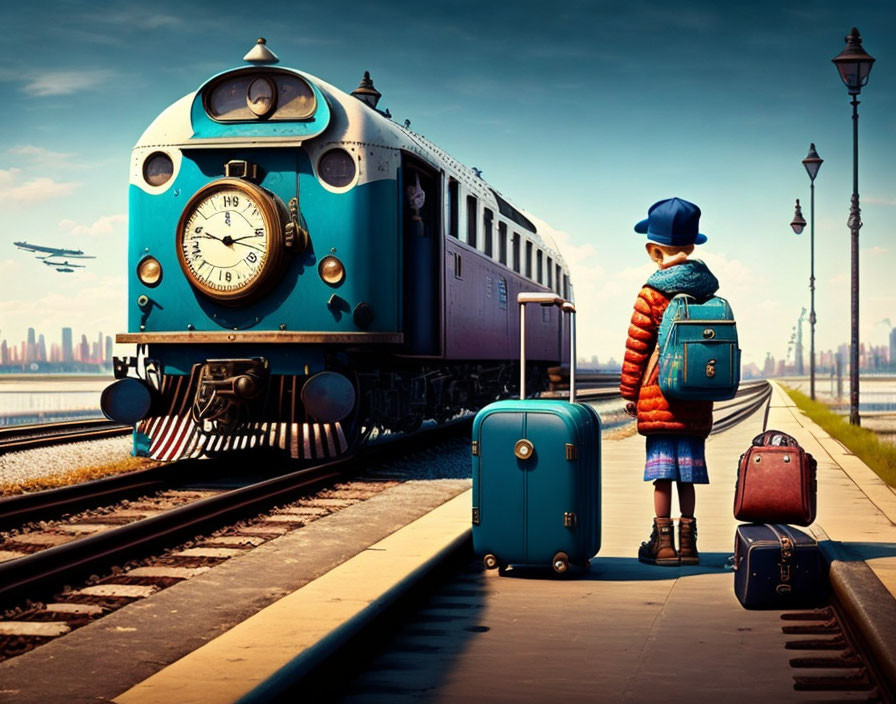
777,566
536,474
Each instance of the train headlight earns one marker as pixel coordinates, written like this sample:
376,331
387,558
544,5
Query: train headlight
331,270
149,271
157,169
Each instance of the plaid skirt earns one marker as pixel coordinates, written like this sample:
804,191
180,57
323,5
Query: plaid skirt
677,457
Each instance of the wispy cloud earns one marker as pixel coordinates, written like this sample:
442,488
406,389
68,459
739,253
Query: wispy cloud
8,176
138,19
57,309
13,190
872,200
875,251
40,155
106,225
49,83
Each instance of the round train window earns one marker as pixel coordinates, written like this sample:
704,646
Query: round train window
337,168
157,169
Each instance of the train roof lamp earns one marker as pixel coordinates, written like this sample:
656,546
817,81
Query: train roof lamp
366,93
260,55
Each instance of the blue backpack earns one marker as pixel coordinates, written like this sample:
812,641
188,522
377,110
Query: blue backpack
698,356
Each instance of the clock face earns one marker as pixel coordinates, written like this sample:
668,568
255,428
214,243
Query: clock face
229,239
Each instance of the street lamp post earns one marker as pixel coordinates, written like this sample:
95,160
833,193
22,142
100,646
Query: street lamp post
798,224
812,162
854,66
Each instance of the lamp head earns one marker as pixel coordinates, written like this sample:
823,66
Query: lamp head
812,162
853,63
799,222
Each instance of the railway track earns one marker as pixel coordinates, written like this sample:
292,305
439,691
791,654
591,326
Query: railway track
33,575
26,437
751,396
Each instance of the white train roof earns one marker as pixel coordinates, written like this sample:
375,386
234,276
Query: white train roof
351,122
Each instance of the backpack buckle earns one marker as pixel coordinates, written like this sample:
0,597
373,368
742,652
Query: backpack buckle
709,333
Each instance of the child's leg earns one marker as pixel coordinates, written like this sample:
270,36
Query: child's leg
687,525
687,499
662,497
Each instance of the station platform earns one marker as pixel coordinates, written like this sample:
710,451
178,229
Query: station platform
618,632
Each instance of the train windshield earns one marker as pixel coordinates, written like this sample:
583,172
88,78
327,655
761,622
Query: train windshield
235,98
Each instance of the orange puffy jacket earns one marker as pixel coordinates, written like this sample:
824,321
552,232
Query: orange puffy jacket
656,414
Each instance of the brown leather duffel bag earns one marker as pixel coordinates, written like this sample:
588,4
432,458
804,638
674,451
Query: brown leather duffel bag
775,481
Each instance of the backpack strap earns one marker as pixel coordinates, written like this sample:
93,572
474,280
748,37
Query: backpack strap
651,365
655,356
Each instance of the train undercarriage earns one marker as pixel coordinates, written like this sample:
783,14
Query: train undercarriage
226,405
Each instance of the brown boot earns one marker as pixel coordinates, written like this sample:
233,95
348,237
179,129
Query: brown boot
660,548
687,541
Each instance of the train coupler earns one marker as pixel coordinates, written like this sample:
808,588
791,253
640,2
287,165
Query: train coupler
225,389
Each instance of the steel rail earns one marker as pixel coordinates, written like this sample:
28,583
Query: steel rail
38,573
743,407
20,509
41,572
25,437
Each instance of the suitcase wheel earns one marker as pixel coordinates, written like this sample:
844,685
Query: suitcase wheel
560,563
490,561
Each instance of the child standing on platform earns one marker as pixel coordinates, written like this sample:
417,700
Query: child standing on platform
675,431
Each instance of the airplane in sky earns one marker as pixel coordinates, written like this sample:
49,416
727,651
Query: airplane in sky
48,252
69,266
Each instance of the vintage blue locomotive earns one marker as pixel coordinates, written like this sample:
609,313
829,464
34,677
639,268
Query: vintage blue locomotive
302,270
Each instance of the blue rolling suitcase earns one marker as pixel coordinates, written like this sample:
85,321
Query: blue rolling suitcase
536,473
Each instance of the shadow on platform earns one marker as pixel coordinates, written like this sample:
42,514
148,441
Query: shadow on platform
628,569
856,552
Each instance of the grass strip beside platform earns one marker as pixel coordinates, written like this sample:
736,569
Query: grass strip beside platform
864,443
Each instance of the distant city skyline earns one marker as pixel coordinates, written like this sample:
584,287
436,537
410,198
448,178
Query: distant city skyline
872,358
33,353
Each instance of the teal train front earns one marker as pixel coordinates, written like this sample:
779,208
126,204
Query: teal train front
303,270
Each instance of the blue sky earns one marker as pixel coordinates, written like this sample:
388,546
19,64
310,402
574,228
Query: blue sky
583,113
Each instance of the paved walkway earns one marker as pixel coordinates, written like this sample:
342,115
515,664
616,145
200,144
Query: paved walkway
622,632
855,507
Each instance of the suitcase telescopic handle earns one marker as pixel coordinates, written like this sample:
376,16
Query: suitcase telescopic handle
547,299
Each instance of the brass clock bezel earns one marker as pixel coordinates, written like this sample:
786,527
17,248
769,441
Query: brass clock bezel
273,265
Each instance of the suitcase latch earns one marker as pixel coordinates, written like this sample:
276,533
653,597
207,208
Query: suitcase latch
475,448
523,449
571,452
569,519
475,515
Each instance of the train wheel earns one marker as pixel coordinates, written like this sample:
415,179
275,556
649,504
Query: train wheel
560,563
490,561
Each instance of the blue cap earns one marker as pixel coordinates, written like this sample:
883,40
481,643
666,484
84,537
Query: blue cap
673,222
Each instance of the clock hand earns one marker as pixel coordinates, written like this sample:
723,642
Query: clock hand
250,246
237,239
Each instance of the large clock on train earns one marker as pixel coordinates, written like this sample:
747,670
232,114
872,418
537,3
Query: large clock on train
230,240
